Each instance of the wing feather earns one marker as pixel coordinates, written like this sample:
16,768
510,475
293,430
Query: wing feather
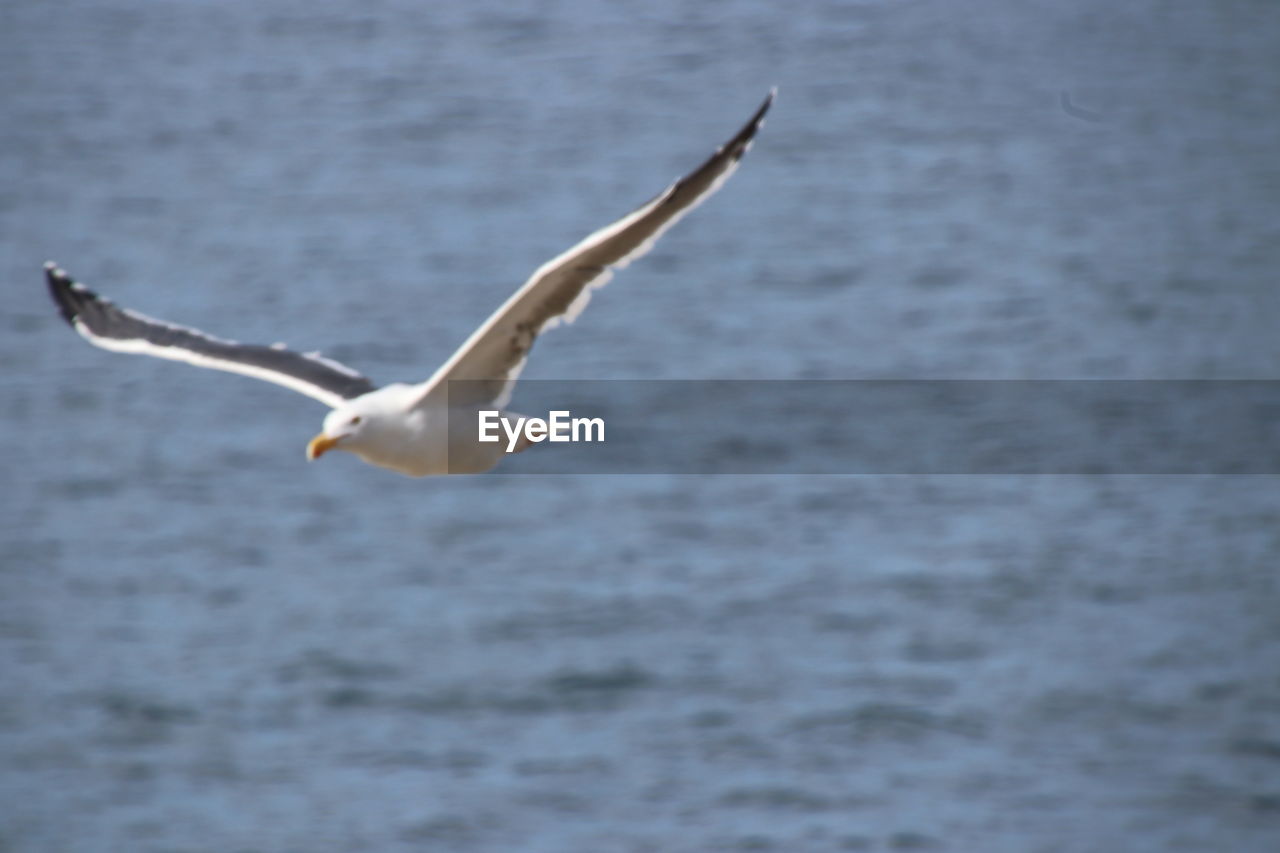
106,325
559,290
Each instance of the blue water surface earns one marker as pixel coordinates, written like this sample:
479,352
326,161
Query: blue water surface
209,645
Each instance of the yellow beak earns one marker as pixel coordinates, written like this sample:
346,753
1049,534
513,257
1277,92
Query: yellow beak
319,446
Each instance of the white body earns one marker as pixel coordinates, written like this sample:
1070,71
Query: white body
416,436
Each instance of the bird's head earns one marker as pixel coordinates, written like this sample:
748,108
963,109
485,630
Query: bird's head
342,427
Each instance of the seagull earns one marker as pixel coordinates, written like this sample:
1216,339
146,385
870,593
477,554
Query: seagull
428,428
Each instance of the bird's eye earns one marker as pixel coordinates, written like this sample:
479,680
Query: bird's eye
356,420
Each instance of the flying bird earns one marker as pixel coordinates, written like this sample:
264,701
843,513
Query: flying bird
427,428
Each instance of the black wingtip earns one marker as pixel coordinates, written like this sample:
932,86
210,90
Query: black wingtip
758,118
768,102
64,291
739,144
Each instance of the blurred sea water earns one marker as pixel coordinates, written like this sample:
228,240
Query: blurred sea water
208,645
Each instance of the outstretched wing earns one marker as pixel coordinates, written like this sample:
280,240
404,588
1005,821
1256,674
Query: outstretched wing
559,289
103,324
